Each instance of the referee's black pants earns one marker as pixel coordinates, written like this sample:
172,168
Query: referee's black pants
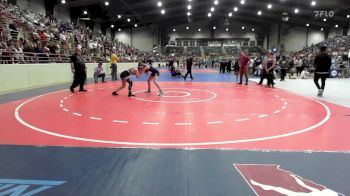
79,79
189,71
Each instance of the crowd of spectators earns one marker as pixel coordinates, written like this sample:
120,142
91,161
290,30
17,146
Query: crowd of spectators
232,50
212,50
174,51
251,50
194,51
334,44
338,48
27,37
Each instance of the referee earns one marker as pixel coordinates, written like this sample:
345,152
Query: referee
79,70
189,63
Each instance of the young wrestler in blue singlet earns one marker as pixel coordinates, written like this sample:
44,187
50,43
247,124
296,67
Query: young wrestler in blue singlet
153,77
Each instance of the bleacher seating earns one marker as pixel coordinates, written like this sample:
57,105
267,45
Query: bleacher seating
194,51
212,50
338,43
174,50
232,50
251,50
50,36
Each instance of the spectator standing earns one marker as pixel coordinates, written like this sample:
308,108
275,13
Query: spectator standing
13,31
236,69
18,53
222,66
346,69
269,66
43,37
28,48
171,63
299,65
7,57
205,63
228,66
323,64
244,65
114,61
251,66
257,66
292,68
262,69
284,66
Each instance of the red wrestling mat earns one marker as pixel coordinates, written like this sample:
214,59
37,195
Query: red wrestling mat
189,115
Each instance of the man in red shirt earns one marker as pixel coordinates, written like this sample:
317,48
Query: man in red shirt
243,61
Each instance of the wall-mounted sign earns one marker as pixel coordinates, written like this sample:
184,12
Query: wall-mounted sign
324,14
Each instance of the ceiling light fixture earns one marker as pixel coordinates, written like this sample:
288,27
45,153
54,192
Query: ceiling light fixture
63,1
214,27
226,29
209,14
321,29
230,14
269,6
307,24
324,20
242,2
253,29
313,3
85,12
235,9
296,11
189,7
119,16
174,30
128,20
162,12
336,26
159,4
112,26
243,27
188,13
212,9
216,2
135,25
259,13
106,3
119,30
187,28
199,29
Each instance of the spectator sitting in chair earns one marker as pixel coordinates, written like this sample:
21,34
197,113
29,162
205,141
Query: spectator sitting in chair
304,74
99,73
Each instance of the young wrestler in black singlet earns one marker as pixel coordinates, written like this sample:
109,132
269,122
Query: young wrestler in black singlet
125,78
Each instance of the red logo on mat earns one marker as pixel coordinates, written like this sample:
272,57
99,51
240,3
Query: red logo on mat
272,181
